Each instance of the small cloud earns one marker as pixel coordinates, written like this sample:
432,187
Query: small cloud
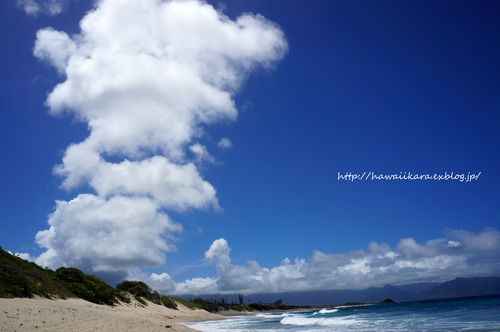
30,7
61,48
36,7
201,153
219,250
225,144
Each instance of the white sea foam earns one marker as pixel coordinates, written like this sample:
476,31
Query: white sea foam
233,325
271,315
327,311
354,305
304,321
473,314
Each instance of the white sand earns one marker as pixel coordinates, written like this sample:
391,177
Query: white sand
79,315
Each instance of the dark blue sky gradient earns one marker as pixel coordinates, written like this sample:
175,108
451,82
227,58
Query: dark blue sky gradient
383,86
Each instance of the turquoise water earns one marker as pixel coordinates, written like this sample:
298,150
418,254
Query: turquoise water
459,314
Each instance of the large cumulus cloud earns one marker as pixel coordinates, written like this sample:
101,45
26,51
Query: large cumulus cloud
147,77
110,234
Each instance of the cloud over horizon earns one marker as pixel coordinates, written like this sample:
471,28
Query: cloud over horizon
147,77
461,253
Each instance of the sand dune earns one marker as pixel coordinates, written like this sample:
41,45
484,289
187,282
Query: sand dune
78,315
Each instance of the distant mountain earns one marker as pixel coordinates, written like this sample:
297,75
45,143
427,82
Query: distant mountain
460,287
464,287
418,287
319,298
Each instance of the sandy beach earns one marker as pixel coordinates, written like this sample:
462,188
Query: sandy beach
77,315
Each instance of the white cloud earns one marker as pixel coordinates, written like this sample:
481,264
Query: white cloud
409,262
219,251
454,244
201,153
24,256
31,7
36,7
106,235
484,242
410,249
146,74
173,186
161,281
147,77
225,144
62,47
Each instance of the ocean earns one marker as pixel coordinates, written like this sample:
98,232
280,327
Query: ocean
457,314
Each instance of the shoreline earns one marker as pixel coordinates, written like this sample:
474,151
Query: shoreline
74,314
41,314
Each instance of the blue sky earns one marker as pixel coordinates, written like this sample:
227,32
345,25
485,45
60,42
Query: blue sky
337,86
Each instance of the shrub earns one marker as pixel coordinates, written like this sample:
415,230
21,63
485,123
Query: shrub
123,297
185,303
70,275
87,287
126,285
140,300
240,307
139,291
139,288
102,291
205,305
168,302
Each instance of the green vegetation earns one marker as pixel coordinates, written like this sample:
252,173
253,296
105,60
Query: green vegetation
20,278
212,305
186,303
275,306
140,291
168,302
222,305
87,287
141,300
